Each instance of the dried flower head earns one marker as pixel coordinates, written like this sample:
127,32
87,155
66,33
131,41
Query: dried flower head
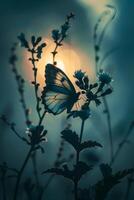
104,77
36,135
79,74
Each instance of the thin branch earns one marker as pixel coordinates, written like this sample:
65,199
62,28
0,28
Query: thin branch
36,84
107,24
123,142
77,160
98,39
4,192
129,186
12,127
33,157
20,83
106,56
58,42
107,111
21,172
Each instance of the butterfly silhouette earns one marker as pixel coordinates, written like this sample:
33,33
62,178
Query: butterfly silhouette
59,93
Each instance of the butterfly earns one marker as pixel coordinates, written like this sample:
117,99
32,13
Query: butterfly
59,93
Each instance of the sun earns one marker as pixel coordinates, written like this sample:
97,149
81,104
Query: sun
68,59
61,65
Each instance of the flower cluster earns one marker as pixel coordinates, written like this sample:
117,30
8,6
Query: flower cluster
93,92
104,77
36,134
59,35
37,45
82,80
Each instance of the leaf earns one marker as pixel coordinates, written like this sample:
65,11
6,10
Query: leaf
40,50
89,144
106,184
74,175
33,40
80,169
37,41
71,137
106,170
23,41
62,172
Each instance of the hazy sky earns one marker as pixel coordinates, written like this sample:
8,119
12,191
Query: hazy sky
40,17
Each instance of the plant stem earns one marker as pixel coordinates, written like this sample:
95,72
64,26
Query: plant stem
42,117
109,128
36,85
20,173
77,161
55,50
10,125
4,188
82,128
129,185
59,43
49,181
123,142
34,162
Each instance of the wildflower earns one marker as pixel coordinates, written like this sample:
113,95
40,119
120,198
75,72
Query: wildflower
104,77
82,80
91,96
84,113
64,29
40,50
79,75
37,47
23,41
36,135
56,35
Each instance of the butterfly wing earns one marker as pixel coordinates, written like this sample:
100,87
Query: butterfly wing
59,93
56,78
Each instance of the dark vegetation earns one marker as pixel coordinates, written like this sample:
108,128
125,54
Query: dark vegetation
36,137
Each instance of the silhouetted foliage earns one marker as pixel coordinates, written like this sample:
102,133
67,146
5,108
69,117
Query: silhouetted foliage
60,94
109,180
75,175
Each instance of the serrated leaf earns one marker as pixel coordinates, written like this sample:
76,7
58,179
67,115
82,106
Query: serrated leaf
62,172
106,170
71,137
89,144
74,175
80,169
103,187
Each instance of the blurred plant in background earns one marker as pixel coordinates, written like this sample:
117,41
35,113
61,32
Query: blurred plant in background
37,134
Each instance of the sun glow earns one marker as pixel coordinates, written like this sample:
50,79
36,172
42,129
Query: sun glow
97,5
69,59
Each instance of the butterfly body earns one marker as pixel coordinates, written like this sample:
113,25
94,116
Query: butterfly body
59,93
